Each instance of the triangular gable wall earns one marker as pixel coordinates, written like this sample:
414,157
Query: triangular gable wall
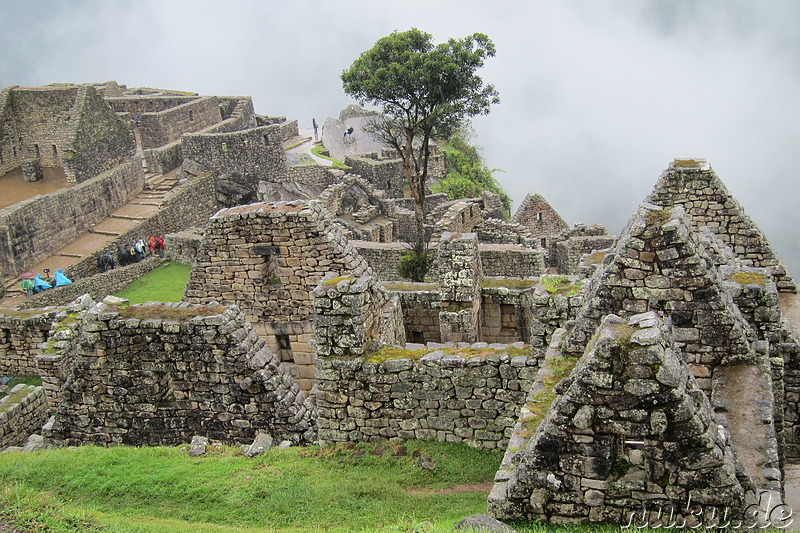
693,185
631,430
658,265
536,214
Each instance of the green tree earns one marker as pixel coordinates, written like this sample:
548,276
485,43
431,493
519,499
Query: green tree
467,175
420,89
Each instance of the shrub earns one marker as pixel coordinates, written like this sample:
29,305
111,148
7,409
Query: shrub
415,262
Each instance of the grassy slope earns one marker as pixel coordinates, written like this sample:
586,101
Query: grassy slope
300,489
163,284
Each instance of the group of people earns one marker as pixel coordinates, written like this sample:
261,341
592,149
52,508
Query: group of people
135,253
36,284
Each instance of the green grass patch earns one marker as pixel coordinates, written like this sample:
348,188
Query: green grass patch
389,353
163,284
410,286
344,488
320,151
36,381
509,283
560,284
14,398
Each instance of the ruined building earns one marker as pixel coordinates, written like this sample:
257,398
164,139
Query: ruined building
654,371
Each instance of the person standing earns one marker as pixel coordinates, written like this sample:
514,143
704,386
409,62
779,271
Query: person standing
314,123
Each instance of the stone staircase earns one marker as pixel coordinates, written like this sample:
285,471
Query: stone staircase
157,187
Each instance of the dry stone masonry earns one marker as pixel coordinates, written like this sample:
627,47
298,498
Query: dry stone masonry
159,374
630,431
708,203
465,393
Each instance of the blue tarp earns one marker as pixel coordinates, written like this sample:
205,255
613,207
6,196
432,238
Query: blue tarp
60,279
39,284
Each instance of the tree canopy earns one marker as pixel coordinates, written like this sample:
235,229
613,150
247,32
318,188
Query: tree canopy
421,89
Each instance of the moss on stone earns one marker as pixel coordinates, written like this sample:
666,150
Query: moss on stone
623,333
173,314
749,278
558,368
686,163
407,286
509,283
334,281
13,399
595,258
389,353
657,217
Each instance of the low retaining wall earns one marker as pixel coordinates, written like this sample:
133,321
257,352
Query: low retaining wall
21,417
98,286
189,207
451,398
20,336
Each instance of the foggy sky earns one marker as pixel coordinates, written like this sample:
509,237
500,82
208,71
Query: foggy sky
596,97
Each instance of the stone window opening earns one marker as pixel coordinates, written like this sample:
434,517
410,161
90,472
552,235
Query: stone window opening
417,337
36,150
265,139
269,253
284,345
55,150
191,116
544,242
539,217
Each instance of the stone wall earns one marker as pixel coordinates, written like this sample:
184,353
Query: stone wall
33,229
164,158
68,126
167,126
146,103
385,174
353,313
268,258
450,398
159,374
539,217
20,335
240,159
97,286
382,257
693,185
20,417
461,217
183,246
568,253
497,231
510,261
629,432
460,280
188,207
421,313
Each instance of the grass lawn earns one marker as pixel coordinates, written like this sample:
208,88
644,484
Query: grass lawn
28,380
163,284
354,488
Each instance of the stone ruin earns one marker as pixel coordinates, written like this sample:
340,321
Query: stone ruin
679,394
681,374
